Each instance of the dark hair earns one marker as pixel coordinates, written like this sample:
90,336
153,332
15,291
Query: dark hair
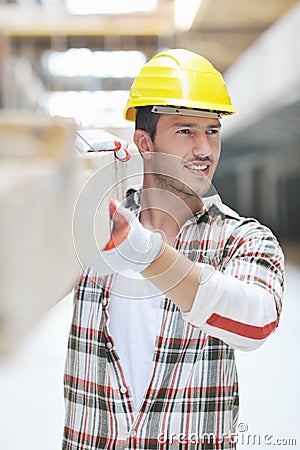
146,120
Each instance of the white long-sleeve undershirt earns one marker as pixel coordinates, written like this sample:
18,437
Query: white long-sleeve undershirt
241,314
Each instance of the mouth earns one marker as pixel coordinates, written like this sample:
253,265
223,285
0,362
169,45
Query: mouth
197,168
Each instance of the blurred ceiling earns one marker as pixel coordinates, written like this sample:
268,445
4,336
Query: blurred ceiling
221,30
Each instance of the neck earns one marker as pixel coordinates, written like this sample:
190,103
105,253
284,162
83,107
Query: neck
166,211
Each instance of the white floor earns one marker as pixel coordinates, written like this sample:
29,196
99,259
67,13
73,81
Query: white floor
31,402
31,385
269,381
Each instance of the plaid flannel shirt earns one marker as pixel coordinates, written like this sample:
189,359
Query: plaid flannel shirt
192,398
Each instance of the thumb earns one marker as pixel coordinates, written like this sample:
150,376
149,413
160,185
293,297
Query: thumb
120,226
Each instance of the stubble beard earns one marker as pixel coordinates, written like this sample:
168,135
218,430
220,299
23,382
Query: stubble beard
175,183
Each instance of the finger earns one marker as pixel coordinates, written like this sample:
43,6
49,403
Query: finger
112,207
120,228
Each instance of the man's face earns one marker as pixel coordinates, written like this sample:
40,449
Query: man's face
195,144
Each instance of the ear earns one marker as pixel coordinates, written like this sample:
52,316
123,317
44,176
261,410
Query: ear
143,142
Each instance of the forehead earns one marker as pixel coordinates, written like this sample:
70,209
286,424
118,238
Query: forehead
173,121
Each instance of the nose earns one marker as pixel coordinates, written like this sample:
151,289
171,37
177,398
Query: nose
201,147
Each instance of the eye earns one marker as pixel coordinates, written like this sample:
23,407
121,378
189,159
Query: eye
213,131
184,131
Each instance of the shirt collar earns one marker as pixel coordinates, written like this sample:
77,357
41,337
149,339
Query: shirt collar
212,204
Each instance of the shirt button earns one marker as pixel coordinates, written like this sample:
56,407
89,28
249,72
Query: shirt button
123,389
109,345
133,433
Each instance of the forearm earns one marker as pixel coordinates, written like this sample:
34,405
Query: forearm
236,303
240,313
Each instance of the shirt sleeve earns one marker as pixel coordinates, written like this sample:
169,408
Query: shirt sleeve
240,302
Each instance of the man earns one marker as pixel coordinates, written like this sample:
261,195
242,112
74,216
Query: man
182,283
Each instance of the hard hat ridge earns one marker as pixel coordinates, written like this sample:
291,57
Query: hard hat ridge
179,78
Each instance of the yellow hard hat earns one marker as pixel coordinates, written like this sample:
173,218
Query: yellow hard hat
182,79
